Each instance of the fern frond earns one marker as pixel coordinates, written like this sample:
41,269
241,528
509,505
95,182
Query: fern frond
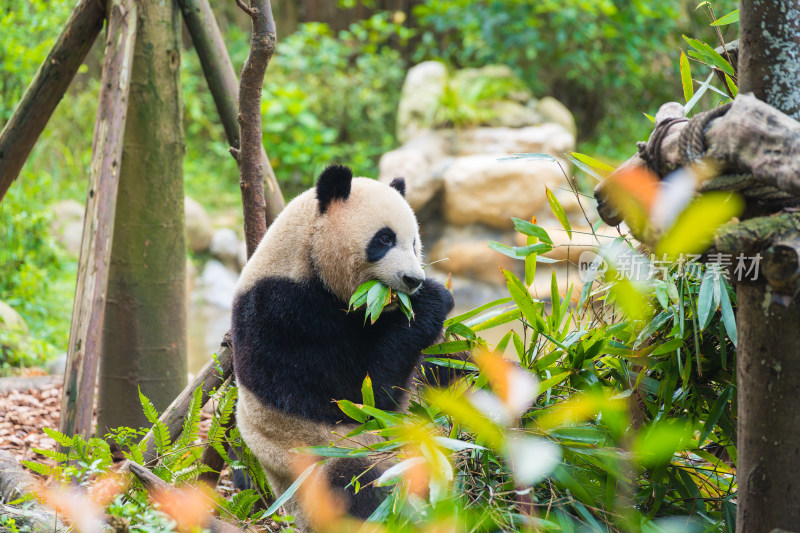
191,426
149,409
57,456
59,437
161,436
39,468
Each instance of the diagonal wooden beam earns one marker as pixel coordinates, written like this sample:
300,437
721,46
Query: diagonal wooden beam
77,401
47,88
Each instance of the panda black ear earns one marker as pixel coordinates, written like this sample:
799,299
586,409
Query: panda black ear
333,183
400,185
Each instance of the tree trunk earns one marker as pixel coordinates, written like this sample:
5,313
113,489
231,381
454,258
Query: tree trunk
768,374
144,335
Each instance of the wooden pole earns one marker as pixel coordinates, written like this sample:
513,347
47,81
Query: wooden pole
768,367
47,88
224,87
77,403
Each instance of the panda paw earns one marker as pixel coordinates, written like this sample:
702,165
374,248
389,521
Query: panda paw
433,300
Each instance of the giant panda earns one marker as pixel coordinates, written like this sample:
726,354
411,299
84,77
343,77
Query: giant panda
296,347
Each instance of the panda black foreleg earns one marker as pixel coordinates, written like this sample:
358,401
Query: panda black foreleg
341,473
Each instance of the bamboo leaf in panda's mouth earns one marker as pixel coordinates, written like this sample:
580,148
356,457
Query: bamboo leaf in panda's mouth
376,296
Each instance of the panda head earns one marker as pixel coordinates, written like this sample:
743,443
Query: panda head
364,230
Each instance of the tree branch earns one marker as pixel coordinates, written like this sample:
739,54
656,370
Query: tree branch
251,168
47,88
224,86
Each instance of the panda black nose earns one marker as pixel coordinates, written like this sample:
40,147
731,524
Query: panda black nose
412,282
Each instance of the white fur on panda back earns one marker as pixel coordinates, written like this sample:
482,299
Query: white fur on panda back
283,252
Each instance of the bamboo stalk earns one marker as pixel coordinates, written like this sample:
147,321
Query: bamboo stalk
80,377
47,88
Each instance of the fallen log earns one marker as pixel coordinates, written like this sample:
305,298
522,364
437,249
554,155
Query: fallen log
157,487
15,483
21,384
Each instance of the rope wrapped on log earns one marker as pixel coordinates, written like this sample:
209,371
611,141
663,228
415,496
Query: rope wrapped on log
754,147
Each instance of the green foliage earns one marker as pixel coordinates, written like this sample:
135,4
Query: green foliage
604,65
29,30
36,277
87,462
472,100
619,436
327,97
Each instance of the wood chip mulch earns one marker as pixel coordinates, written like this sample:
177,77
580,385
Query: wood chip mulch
23,414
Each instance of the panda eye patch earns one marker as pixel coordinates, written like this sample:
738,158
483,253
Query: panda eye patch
383,240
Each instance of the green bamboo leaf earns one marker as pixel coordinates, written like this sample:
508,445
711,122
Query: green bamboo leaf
731,86
558,211
359,297
478,310
658,321
728,318
461,329
596,164
446,362
705,300
504,249
352,410
532,311
330,451
712,57
367,395
651,118
553,381
530,262
497,320
538,248
686,77
714,413
448,347
532,230
405,304
500,349
669,346
289,492
730,18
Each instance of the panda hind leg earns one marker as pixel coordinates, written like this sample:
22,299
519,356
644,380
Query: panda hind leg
341,472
